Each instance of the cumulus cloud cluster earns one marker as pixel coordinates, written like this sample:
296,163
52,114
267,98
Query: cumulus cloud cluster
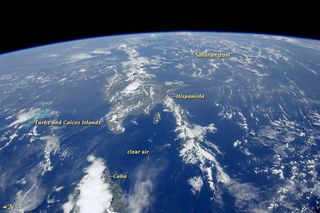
93,193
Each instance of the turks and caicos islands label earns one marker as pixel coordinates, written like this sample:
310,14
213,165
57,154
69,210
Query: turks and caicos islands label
69,122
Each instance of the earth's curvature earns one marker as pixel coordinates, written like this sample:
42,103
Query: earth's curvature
162,122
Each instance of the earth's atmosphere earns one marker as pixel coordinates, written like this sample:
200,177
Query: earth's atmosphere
249,144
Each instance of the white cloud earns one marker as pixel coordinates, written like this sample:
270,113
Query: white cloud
25,116
140,197
132,87
194,151
101,51
135,80
92,193
246,195
67,207
196,184
79,57
52,146
32,195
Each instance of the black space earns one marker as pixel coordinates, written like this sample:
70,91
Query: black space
29,28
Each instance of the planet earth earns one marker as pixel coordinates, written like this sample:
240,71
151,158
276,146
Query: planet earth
162,122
